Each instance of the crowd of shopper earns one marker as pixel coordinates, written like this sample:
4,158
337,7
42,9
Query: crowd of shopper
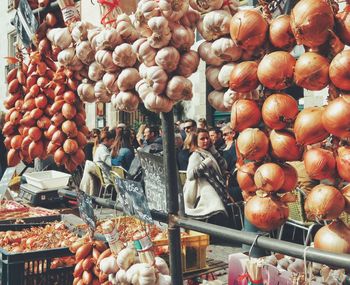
207,155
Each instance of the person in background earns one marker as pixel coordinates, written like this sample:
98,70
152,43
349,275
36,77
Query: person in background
152,144
121,126
202,123
229,153
96,133
216,139
3,153
151,135
102,156
139,135
122,150
190,126
178,142
134,141
184,154
89,147
205,188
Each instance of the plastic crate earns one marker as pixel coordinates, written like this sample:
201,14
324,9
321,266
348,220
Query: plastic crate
33,268
194,250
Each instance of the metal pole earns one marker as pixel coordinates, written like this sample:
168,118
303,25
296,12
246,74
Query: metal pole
169,157
288,248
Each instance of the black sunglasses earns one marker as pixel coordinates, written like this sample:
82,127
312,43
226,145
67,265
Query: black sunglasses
188,127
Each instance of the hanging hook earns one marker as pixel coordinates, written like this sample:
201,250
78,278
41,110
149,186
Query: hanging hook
255,241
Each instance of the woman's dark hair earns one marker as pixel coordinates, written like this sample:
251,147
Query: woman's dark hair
194,141
106,135
123,139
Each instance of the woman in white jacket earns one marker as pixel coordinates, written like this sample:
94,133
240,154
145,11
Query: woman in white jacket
205,195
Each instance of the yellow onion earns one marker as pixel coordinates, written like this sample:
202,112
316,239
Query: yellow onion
311,21
279,110
266,213
248,29
243,77
284,146
280,33
308,126
244,114
245,177
269,177
324,202
342,25
276,70
319,163
336,117
343,162
346,194
311,71
334,237
290,178
339,72
252,144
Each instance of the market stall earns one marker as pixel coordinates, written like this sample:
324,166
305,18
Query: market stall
146,58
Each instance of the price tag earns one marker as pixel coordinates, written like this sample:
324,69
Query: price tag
133,199
25,23
86,209
5,180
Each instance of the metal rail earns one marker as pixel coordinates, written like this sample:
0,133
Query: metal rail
271,244
231,235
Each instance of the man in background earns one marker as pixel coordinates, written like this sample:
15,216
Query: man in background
190,126
215,135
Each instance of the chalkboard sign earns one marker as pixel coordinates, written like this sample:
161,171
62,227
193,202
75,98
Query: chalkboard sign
25,23
133,199
86,209
155,188
5,180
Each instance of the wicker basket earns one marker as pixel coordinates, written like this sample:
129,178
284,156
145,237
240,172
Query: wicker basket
296,209
345,217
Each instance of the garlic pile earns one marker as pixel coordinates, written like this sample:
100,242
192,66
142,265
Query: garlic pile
126,269
106,58
167,34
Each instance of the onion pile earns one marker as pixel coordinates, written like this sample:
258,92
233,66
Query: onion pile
31,96
68,131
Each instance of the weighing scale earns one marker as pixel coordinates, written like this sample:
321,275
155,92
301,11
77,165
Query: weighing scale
39,197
